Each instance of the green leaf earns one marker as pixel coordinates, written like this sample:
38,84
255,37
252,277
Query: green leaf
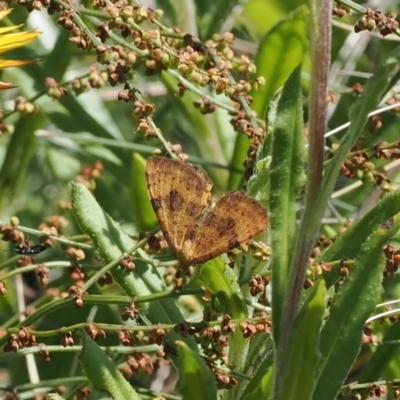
279,52
382,357
144,214
286,179
196,382
349,243
253,16
219,278
303,354
103,153
102,372
111,242
358,114
204,130
260,385
181,13
64,166
261,357
341,336
221,10
54,396
258,186
259,183
19,152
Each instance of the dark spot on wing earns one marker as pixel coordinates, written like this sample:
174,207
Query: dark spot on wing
156,203
220,224
192,209
226,224
176,201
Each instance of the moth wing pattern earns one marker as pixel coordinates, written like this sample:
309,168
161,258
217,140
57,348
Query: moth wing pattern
235,219
179,193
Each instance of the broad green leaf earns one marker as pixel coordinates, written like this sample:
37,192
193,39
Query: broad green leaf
341,336
196,382
103,373
286,179
303,354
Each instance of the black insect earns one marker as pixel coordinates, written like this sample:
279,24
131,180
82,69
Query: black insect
23,248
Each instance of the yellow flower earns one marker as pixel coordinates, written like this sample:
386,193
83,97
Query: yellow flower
10,41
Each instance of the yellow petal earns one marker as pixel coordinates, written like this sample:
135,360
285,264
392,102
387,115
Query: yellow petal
9,41
15,63
9,28
5,12
14,40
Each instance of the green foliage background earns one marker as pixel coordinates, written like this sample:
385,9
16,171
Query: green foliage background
48,150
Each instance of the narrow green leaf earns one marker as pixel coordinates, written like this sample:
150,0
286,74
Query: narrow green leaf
260,385
259,183
63,165
358,115
196,382
110,242
221,11
181,13
102,372
349,243
260,358
382,357
254,12
258,186
203,130
54,396
219,278
239,155
83,114
103,153
303,354
286,179
19,152
279,52
145,217
341,336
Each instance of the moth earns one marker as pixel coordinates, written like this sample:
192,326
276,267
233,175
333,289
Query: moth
195,230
